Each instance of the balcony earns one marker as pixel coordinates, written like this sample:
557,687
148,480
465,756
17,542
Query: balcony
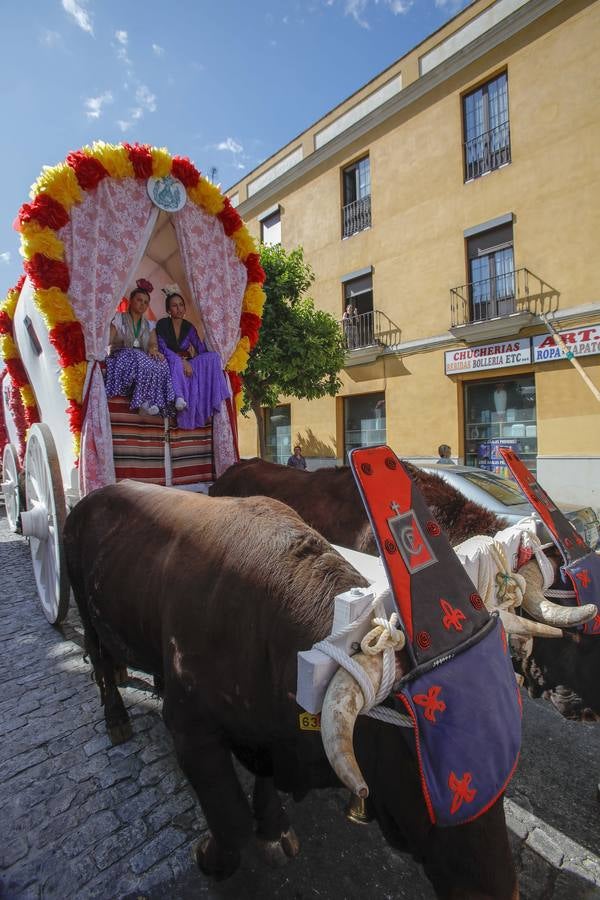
356,216
500,306
366,336
487,151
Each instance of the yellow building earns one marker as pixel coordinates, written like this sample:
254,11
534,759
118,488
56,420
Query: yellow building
451,201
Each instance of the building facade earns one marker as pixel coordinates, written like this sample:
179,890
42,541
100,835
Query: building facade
451,212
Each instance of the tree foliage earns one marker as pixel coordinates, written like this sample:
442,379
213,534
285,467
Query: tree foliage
301,349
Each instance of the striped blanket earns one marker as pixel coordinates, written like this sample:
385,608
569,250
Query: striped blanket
139,447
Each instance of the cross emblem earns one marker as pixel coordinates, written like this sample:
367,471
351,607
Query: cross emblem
430,702
463,792
395,507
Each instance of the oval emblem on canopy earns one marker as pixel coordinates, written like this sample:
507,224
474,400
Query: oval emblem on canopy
167,193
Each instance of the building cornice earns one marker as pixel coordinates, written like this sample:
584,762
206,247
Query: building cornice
498,34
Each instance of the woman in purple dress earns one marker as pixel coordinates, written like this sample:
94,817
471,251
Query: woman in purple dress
135,367
197,374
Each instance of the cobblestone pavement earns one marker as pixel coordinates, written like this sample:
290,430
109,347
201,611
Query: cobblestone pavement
82,819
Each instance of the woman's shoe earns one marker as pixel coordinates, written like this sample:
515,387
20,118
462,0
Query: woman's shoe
180,404
150,409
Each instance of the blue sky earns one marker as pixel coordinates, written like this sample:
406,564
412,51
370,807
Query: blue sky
226,83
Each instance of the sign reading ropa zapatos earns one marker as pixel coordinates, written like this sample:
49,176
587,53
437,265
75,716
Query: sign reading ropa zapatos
500,355
584,341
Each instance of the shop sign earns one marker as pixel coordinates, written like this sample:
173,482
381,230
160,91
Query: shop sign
580,341
500,355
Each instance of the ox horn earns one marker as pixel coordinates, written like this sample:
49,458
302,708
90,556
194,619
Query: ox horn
341,706
545,610
525,627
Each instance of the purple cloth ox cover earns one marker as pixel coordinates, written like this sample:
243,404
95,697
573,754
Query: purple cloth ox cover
461,691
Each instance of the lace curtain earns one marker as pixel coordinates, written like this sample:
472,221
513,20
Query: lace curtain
104,241
217,279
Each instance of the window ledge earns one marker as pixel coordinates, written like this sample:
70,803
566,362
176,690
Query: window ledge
503,326
362,356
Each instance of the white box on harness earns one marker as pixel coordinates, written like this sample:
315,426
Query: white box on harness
316,669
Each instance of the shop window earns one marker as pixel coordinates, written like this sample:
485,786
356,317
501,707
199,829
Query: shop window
356,207
486,128
500,414
357,317
278,430
491,273
270,228
364,421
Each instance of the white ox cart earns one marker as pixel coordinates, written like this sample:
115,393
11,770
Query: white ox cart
107,216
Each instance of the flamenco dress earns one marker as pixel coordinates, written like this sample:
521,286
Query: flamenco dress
132,373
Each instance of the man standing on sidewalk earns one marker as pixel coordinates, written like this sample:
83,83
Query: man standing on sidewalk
297,461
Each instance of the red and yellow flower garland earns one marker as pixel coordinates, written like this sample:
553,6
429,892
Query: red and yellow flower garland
10,353
57,190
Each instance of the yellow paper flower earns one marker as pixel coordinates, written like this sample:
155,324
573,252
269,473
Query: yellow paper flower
60,183
10,304
8,348
27,395
77,444
54,306
114,158
254,299
239,400
244,242
208,196
71,379
37,239
161,162
239,358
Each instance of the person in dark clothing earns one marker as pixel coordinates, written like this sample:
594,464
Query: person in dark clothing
297,461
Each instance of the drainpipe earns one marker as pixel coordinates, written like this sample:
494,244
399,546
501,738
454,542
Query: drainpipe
570,356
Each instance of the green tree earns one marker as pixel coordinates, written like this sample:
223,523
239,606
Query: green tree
300,350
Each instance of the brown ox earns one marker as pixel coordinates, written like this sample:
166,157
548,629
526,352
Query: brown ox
217,596
328,500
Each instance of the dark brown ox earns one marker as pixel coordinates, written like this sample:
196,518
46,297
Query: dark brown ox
565,671
217,596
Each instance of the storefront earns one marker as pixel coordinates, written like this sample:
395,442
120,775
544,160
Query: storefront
364,421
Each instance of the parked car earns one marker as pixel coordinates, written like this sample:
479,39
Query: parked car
504,497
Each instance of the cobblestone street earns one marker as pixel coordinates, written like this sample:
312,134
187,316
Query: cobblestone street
82,819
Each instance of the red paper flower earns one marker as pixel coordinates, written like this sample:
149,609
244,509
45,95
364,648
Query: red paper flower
141,159
88,171
17,411
185,171
67,339
46,273
75,414
255,270
6,325
236,382
45,211
250,326
230,218
31,415
17,371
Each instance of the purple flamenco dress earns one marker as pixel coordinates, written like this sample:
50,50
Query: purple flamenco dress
206,388
131,372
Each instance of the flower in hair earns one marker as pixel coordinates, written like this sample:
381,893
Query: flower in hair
145,285
170,289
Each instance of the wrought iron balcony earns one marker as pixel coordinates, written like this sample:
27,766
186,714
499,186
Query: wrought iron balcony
356,216
518,294
369,330
487,151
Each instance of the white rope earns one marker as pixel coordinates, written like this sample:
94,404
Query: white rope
510,586
559,595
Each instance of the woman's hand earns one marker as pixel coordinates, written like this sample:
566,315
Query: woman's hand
156,354
187,369
191,352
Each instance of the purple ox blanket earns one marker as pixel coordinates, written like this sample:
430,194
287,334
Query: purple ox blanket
461,692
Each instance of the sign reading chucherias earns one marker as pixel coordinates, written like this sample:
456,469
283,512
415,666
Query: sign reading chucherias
516,352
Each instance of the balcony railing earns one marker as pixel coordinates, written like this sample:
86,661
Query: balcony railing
356,216
487,151
370,329
502,295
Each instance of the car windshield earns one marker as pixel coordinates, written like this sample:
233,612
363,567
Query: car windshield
500,489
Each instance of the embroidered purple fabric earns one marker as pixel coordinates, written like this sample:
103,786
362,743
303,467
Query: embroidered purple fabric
132,373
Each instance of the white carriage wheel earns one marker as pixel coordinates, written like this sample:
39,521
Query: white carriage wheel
44,521
10,486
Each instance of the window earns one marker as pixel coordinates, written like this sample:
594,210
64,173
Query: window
270,228
486,128
364,421
278,430
491,273
357,317
500,413
356,210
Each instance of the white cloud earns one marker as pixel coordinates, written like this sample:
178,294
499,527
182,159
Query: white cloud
146,98
94,105
137,113
122,37
231,145
158,50
358,9
50,38
81,15
124,125
5,257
